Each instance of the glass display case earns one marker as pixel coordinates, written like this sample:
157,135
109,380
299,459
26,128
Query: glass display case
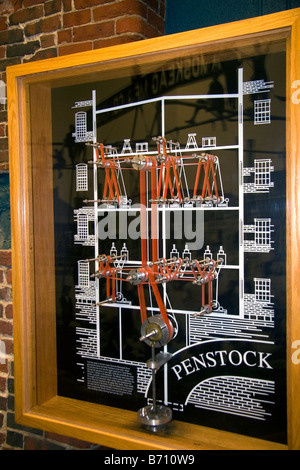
153,205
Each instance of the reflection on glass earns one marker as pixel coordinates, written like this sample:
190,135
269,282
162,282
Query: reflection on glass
189,156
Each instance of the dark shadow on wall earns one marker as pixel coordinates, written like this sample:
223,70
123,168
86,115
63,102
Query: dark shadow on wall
193,14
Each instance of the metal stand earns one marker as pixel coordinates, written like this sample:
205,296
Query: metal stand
155,417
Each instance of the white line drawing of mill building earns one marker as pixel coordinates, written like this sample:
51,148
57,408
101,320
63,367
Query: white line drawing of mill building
260,231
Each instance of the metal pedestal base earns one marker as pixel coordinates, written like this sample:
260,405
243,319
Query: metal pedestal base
155,419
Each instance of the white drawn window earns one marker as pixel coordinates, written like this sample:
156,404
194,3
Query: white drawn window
262,290
262,111
262,231
80,125
262,172
82,227
81,177
83,274
141,147
209,141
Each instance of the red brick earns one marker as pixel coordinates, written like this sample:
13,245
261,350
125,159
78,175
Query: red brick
11,36
162,11
125,7
65,35
44,54
9,347
4,159
46,25
3,113
51,7
5,257
20,50
32,28
76,18
120,39
135,24
8,311
35,443
3,403
93,31
1,310
3,130
67,5
14,439
9,276
4,367
5,294
50,24
75,47
1,275
156,21
6,7
26,14
158,6
47,40
18,4
81,4
3,383
3,23
3,142
30,3
6,327
2,437
154,4
71,441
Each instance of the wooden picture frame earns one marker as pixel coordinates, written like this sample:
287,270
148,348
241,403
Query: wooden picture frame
30,148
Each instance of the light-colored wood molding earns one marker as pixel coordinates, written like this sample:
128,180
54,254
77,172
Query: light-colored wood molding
36,403
293,234
109,426
43,229
220,33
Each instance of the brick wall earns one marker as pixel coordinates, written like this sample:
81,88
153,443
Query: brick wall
34,30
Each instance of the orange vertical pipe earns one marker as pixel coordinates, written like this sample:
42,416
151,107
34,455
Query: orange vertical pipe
154,228
142,302
143,217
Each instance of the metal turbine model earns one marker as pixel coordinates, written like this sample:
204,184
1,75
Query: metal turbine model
166,187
